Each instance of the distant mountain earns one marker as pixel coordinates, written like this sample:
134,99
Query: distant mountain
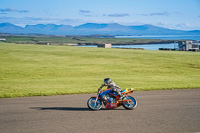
11,28
48,29
92,29
91,26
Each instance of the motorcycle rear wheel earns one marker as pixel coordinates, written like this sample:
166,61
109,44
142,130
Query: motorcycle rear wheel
131,104
91,104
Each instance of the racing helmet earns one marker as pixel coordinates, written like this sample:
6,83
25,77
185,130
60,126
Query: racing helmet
107,80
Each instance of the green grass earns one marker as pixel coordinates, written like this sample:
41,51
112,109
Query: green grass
37,70
80,40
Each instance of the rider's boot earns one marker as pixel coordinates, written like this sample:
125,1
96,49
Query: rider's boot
104,99
121,96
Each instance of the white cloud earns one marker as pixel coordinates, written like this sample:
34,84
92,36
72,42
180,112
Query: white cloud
159,14
33,20
155,14
6,10
178,26
84,11
118,15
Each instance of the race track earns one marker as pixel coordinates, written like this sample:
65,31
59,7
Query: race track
167,111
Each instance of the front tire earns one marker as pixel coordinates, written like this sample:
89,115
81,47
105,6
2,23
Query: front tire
91,104
130,104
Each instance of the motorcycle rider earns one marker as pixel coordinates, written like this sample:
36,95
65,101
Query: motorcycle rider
114,88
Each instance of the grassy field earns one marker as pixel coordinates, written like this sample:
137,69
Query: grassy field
37,70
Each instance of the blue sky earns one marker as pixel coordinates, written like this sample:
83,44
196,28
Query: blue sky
174,14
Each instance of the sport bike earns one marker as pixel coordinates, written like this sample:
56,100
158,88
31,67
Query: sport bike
112,100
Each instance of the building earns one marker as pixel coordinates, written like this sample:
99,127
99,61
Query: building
104,45
188,46
2,39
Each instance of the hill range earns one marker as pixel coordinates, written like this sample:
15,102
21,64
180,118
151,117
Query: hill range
92,29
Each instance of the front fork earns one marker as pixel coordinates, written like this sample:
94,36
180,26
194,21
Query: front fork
95,104
96,98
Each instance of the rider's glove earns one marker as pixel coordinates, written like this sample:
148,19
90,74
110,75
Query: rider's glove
102,85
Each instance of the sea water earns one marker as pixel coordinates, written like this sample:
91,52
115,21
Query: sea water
165,37
148,47
154,46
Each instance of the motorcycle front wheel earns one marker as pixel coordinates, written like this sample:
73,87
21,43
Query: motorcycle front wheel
131,104
93,104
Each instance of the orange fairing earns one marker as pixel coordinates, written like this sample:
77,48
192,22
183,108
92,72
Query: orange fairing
127,91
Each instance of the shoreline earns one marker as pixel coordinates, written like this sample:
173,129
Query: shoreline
132,43
86,40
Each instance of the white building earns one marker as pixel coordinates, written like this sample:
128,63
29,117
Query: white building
2,39
188,46
105,45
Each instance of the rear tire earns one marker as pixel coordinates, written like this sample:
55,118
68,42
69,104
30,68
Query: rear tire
131,104
91,104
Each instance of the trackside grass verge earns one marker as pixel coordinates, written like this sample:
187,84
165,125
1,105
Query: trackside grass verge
40,70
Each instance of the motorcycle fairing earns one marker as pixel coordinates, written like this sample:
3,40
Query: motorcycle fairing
127,91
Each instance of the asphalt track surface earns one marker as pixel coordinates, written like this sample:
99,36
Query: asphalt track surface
167,111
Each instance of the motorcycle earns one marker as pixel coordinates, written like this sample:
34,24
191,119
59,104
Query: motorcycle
112,100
